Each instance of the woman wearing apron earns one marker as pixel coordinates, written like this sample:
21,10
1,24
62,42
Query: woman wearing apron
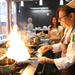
66,63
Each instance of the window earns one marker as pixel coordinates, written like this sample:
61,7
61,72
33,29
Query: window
3,17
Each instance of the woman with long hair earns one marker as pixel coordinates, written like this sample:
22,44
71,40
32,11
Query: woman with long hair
55,31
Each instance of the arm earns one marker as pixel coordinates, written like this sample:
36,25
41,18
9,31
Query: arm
56,48
44,49
63,62
45,60
49,30
69,59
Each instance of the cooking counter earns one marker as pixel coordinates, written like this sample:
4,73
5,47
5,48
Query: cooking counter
29,69
40,30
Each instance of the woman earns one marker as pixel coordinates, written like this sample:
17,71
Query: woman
30,25
55,32
66,63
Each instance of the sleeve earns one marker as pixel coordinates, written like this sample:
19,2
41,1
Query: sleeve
56,47
60,28
49,27
69,59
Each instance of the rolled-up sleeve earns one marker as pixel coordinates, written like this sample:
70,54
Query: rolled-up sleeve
68,60
56,47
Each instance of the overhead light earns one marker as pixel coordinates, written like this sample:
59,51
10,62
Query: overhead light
61,2
39,8
40,2
22,3
19,11
48,14
67,0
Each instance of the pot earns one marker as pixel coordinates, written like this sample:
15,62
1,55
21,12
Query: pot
7,66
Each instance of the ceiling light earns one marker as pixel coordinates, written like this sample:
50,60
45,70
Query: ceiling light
40,2
67,0
61,2
22,4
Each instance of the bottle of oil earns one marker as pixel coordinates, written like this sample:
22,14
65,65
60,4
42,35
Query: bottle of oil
73,38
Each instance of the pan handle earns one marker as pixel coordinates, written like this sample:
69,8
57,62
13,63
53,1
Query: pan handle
42,69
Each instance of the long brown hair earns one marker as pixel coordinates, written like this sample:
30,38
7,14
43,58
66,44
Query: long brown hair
52,23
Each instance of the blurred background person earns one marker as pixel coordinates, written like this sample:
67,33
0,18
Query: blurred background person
55,31
30,24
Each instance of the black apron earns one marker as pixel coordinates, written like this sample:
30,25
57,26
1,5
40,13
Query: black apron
68,71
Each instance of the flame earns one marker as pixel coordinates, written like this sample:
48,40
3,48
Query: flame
17,49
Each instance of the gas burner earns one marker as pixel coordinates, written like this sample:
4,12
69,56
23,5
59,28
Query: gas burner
8,66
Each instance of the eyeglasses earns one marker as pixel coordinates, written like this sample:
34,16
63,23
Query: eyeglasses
61,17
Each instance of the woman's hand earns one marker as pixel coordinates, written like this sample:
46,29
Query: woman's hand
44,49
55,51
43,60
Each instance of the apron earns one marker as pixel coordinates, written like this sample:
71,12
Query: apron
68,71
71,69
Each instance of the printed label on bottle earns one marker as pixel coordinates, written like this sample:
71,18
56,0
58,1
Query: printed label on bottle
73,37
